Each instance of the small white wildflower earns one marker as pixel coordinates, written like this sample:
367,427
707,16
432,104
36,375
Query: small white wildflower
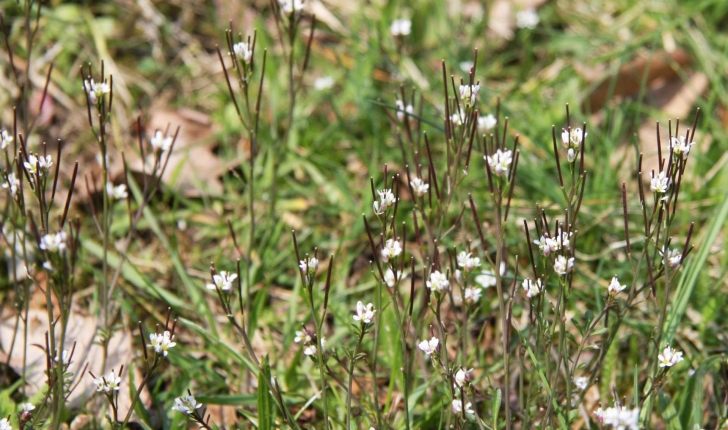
680,147
13,184
660,183
223,280
48,266
386,200
674,257
562,239
472,294
323,83
186,405
614,287
289,7
160,142
469,93
462,377
457,119
571,155
243,51
499,162
402,109
527,18
27,407
419,186
54,242
562,265
308,266
391,280
532,288
391,249
487,279
438,281
36,162
161,343
310,350
619,417
400,27
486,123
365,314
546,245
576,138
302,337
95,90
429,346
65,358
116,192
457,407
5,424
5,139
108,383
467,262
670,357
581,382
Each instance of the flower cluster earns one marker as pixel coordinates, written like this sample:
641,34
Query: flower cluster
500,162
467,262
308,267
430,347
472,294
547,245
161,343
660,183
400,27
486,123
186,404
619,417
108,384
673,257
5,424
457,407
38,164
614,287
386,200
391,249
680,147
402,110
160,143
573,141
390,279
469,93
307,339
13,184
462,377
223,280
5,139
243,51
562,265
95,90
581,382
290,7
532,288
116,192
527,18
670,357
438,281
419,186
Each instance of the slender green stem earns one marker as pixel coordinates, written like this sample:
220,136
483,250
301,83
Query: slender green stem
352,362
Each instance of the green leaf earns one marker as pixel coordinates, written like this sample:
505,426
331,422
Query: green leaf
265,401
495,407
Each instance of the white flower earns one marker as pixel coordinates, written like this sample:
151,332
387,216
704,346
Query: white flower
5,424
438,281
323,83
95,90
13,184
402,109
159,142
419,186
457,119
486,123
573,139
527,18
54,242
469,93
390,279
108,383
27,407
391,249
660,183
5,139
486,279
462,377
674,257
116,192
670,357
386,200
302,336
161,342
48,266
65,358
186,404
562,265
546,245
614,287
571,155
400,27
680,146
243,51
223,280
310,350
429,346
467,262
35,162
532,288
472,294
363,313
581,382
309,265
290,7
562,239
619,417
499,162
457,407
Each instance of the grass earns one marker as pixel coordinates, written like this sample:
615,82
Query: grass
316,157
